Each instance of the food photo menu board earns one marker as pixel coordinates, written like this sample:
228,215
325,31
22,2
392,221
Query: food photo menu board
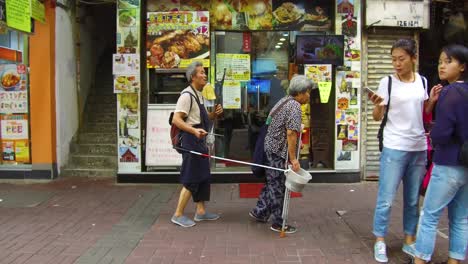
175,39
302,15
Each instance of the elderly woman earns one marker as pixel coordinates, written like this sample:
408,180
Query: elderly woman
280,143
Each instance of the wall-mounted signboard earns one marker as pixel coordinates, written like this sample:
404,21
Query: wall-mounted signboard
407,14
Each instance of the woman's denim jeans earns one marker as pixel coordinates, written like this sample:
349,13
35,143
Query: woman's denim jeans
448,187
395,166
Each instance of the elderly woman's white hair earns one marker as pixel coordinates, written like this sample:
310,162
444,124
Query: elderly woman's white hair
300,84
192,70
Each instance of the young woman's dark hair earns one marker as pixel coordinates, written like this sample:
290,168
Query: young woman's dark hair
459,53
408,45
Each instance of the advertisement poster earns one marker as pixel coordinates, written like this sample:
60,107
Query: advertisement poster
231,95
127,83
126,4
241,15
159,151
12,77
128,40
302,15
38,11
126,64
13,128
320,74
129,144
175,39
237,66
13,102
15,139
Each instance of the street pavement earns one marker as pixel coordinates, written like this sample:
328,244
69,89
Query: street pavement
88,221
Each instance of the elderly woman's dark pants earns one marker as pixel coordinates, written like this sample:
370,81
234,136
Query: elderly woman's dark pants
270,202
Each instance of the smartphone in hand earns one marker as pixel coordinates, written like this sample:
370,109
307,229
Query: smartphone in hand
369,91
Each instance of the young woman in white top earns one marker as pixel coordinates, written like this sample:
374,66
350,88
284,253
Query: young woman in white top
404,143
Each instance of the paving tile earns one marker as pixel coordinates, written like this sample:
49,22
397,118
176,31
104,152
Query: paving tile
98,222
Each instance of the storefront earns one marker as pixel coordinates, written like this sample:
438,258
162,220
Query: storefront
403,19
24,40
250,49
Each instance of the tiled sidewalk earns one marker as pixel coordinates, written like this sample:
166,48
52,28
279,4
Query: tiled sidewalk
95,221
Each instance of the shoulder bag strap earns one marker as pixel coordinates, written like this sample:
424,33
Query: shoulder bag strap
389,88
279,107
273,113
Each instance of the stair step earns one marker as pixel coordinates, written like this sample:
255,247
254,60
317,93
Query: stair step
103,118
104,99
86,172
94,149
102,108
96,127
93,161
92,138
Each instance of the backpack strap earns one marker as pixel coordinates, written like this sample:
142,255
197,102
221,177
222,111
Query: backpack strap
384,121
194,95
424,81
389,89
191,95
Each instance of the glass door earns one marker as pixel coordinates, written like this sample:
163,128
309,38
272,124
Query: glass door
267,54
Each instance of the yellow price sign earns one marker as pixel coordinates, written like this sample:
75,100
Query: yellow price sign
324,90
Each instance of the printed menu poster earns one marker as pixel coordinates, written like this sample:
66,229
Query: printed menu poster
322,76
231,95
175,39
13,102
15,138
127,83
237,66
126,64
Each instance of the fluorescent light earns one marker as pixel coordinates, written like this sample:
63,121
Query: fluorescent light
282,39
277,46
285,34
279,43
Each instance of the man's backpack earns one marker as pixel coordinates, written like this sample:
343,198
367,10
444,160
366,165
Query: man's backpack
175,131
259,156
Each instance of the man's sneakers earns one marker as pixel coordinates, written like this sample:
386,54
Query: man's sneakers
206,217
183,221
409,249
380,252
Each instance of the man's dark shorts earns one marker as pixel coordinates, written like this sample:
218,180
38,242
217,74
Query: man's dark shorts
200,191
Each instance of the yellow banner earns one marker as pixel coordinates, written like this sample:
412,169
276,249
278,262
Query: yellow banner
184,63
18,14
38,11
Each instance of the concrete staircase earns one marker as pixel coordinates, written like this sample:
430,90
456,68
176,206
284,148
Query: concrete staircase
93,151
